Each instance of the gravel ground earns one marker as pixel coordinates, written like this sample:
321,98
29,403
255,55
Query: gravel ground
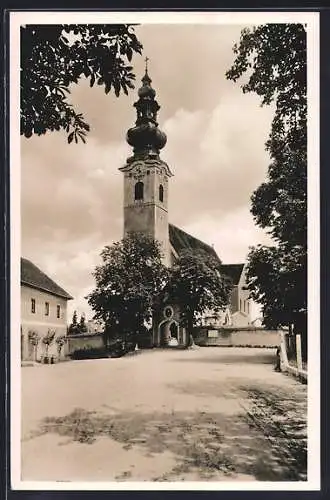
210,414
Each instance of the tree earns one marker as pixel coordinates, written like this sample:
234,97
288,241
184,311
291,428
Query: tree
128,283
74,327
60,341
47,340
82,324
197,285
55,56
34,339
273,56
283,299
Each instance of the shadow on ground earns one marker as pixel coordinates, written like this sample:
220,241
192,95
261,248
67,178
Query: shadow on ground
267,441
222,359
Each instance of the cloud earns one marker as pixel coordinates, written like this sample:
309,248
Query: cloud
72,195
231,236
218,158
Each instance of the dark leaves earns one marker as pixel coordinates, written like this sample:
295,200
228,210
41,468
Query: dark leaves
55,56
128,281
276,54
197,285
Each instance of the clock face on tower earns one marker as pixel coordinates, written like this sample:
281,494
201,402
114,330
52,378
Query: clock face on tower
138,172
146,175
168,312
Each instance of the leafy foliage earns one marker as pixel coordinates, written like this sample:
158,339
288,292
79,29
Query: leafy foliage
128,284
82,324
278,280
48,339
273,57
55,56
74,327
60,341
33,337
197,285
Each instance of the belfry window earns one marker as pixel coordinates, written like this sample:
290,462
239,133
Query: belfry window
161,193
138,191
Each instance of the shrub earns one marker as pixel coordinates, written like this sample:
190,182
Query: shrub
34,339
90,353
48,339
60,341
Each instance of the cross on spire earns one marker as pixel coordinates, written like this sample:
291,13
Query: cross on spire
146,61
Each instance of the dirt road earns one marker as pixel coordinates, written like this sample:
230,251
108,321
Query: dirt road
164,415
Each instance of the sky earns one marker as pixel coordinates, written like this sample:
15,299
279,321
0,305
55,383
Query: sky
72,195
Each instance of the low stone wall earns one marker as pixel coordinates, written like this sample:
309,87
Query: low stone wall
239,337
83,342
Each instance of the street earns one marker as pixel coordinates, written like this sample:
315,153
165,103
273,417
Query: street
210,414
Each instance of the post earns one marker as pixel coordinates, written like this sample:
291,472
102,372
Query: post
298,352
284,355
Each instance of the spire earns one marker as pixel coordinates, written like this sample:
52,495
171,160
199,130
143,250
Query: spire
146,138
146,80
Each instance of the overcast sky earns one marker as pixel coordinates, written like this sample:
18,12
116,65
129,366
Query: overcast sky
72,195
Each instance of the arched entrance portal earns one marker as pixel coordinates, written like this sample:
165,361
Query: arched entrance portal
167,330
174,330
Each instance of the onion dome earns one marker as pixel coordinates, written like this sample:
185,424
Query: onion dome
146,137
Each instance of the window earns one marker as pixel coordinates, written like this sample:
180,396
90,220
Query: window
58,311
161,193
138,191
46,308
248,307
240,304
33,306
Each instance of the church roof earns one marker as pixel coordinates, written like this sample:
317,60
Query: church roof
32,276
233,271
180,241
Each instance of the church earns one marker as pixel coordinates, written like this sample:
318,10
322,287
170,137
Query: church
147,180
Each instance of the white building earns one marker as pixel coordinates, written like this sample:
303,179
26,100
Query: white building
43,311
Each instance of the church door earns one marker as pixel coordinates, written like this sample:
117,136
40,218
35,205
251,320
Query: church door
174,330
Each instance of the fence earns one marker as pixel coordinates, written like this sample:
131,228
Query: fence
289,363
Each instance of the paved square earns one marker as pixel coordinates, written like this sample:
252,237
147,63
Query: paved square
164,415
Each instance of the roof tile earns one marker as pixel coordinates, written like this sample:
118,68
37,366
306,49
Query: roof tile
180,240
31,275
233,271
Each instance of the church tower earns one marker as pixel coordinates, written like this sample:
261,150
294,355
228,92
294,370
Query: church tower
146,176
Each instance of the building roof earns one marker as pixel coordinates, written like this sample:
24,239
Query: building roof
233,271
180,241
32,276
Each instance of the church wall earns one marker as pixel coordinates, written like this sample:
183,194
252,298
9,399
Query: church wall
234,304
232,337
151,220
162,323
240,303
161,232
139,218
